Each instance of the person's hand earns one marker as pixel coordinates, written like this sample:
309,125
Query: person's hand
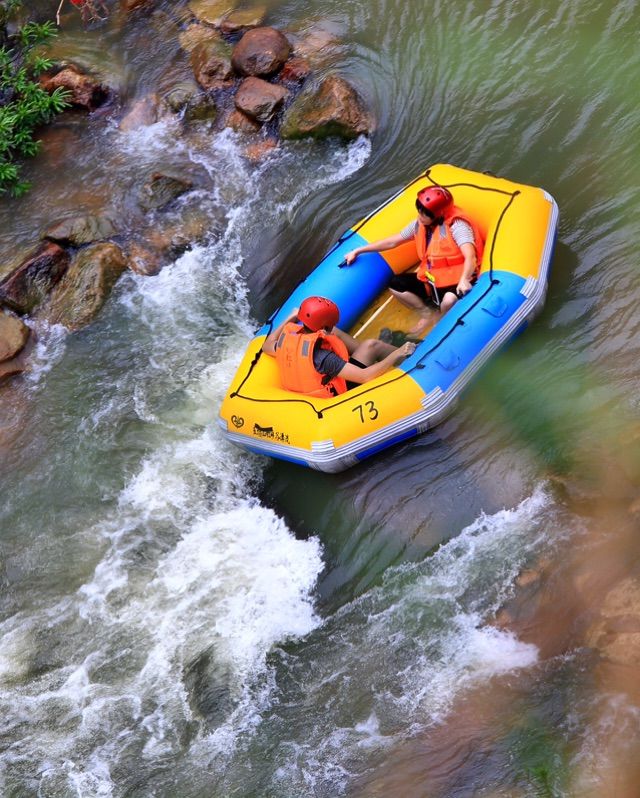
463,287
405,350
350,257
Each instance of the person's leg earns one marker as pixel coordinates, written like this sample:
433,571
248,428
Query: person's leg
368,351
412,293
448,301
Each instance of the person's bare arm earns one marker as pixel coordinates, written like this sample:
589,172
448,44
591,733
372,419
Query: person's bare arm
468,269
269,345
356,374
376,246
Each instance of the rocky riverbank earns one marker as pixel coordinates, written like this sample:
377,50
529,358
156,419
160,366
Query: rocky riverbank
266,84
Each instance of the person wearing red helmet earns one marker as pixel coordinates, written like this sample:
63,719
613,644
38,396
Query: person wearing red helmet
449,247
316,358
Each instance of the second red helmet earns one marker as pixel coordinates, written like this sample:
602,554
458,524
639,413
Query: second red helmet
317,312
436,199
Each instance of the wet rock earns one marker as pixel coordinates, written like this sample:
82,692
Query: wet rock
85,91
295,70
14,334
133,5
29,283
201,108
616,633
211,65
143,112
197,34
332,109
162,189
180,95
81,293
316,46
243,19
258,99
79,230
211,12
260,149
242,123
143,260
261,51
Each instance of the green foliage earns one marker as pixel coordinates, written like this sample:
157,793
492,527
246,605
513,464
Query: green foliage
24,104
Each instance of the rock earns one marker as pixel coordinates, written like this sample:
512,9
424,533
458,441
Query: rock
332,109
616,633
14,334
142,260
260,149
79,230
134,5
161,189
181,94
295,70
243,19
86,92
316,46
211,12
197,34
211,65
79,296
26,286
259,99
261,51
201,108
242,123
142,113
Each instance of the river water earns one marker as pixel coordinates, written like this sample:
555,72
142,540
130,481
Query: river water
179,618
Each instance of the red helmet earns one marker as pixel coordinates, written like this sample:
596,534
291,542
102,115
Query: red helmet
435,199
317,312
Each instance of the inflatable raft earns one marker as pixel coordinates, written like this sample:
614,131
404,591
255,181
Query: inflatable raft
519,223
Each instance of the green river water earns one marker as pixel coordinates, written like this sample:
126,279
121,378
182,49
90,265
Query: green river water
182,620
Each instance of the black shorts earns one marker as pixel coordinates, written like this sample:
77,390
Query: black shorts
354,362
410,282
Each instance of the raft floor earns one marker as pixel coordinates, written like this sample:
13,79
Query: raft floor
387,312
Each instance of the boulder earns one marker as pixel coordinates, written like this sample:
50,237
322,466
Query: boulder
211,65
258,99
295,70
14,334
79,230
243,19
29,283
143,112
211,12
143,260
162,189
261,51
196,34
181,94
81,293
332,109
242,123
85,91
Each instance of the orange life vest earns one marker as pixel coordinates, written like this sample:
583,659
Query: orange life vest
294,355
442,256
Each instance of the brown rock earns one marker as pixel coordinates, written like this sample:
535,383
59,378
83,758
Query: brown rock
616,633
243,19
142,113
211,65
211,12
133,5
26,286
332,109
14,334
197,34
259,99
161,189
85,91
242,123
261,51
79,296
79,230
260,149
295,70
142,260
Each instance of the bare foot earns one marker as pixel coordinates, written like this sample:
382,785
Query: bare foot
421,326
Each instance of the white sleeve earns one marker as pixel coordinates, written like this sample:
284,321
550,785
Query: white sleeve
462,233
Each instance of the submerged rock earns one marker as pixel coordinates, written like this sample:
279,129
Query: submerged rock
332,109
261,51
259,99
28,284
162,189
197,34
14,334
86,286
211,12
243,19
